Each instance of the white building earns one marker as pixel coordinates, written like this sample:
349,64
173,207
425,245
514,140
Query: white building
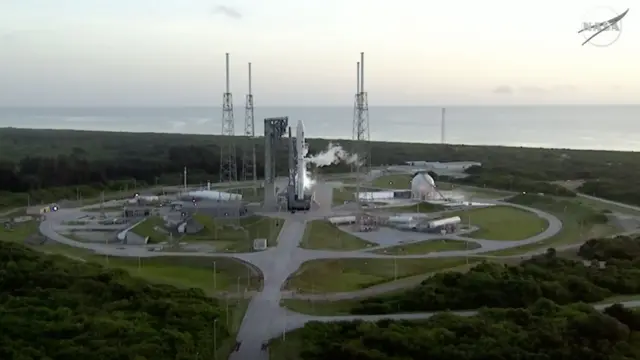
213,195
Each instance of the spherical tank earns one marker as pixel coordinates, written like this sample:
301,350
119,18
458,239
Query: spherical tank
422,185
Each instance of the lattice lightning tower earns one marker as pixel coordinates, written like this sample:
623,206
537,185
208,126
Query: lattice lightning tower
249,153
361,137
228,170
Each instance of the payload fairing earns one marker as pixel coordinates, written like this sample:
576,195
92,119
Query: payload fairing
301,148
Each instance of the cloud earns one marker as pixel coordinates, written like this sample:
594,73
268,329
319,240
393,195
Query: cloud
177,125
227,11
503,90
533,90
201,121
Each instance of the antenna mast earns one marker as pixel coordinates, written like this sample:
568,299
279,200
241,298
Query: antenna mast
228,170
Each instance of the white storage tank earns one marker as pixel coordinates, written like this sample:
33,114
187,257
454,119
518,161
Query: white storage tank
444,222
401,219
341,220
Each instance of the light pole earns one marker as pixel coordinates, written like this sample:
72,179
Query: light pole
284,328
395,268
215,340
215,282
227,309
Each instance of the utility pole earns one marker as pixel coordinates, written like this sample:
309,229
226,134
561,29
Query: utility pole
215,340
184,178
102,215
249,153
228,170
395,268
442,126
215,274
361,138
227,309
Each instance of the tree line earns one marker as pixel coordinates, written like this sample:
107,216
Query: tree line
540,332
609,267
60,309
33,160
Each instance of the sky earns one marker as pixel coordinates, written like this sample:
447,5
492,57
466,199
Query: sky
304,53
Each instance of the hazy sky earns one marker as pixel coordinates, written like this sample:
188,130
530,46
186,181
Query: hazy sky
171,52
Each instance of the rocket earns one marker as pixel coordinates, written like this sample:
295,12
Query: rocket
300,149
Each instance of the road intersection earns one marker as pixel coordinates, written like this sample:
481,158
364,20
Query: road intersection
265,318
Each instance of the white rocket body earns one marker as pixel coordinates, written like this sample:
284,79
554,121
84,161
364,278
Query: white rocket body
300,149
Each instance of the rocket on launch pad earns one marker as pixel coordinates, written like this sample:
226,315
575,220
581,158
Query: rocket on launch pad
300,150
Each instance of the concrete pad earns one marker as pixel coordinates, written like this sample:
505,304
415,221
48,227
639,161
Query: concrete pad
389,237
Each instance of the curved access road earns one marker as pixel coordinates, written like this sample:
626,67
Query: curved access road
265,318
295,322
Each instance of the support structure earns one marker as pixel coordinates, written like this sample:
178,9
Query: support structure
249,152
228,169
274,129
361,138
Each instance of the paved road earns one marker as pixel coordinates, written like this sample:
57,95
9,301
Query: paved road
299,322
265,318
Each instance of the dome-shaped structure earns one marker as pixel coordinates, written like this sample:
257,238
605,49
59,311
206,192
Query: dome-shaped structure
422,186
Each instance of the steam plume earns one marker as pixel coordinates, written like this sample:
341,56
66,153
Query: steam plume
331,156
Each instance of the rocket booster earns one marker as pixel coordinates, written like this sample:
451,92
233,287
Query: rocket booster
300,148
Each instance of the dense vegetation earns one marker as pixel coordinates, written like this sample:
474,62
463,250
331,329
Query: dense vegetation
59,309
544,331
513,183
31,160
561,280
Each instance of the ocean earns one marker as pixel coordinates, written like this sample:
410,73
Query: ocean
577,127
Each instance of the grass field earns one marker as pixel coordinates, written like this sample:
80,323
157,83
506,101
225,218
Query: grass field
187,272
322,235
396,181
149,228
343,275
177,271
428,246
250,194
579,223
321,308
237,236
502,223
342,195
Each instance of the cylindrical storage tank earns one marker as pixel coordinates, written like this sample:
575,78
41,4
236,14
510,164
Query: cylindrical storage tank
339,220
442,222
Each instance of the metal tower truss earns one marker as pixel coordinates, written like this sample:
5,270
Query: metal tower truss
228,170
249,152
361,138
